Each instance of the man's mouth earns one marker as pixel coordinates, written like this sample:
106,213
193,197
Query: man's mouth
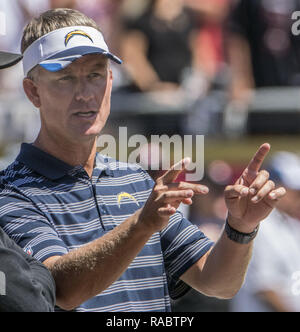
89,114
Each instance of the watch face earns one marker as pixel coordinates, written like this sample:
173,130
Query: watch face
9,59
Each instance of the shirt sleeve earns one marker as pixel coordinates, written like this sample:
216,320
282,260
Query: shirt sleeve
183,244
27,225
27,285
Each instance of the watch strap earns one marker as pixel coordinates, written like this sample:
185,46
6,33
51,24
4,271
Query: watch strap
239,237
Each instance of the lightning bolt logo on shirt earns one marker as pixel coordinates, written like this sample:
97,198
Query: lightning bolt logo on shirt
71,34
124,195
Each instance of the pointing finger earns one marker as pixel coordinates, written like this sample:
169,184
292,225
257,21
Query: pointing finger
254,166
171,175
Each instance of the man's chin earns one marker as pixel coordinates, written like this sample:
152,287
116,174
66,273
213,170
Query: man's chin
89,135
86,133
85,137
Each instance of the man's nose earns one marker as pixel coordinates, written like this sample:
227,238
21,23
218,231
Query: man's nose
84,91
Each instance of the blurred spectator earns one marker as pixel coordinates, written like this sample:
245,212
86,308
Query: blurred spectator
211,18
176,47
108,14
206,115
16,14
262,50
158,47
271,282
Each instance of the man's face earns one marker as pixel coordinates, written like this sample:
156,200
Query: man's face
75,102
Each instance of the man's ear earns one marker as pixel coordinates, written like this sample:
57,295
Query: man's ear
31,91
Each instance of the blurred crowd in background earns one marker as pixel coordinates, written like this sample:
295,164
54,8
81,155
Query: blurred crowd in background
226,69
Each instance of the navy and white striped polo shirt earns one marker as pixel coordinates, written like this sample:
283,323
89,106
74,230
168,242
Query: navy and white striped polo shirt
50,208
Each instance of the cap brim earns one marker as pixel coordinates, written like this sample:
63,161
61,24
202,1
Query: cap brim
9,59
63,59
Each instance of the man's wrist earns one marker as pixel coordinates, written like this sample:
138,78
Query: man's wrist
142,223
240,237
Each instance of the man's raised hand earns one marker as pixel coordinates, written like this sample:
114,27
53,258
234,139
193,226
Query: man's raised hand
253,196
167,195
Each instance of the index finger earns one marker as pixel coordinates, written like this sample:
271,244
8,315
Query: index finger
171,174
258,159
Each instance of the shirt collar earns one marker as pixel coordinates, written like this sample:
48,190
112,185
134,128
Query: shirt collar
103,164
51,167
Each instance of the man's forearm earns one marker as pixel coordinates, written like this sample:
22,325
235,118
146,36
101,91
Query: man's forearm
221,271
226,266
87,271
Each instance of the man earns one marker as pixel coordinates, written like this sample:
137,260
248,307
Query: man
25,283
112,238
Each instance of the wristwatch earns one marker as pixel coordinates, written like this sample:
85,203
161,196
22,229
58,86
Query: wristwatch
239,237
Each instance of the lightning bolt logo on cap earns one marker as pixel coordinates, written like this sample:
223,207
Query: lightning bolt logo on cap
73,33
123,195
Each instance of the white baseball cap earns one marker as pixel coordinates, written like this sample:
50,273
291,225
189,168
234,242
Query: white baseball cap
59,48
284,167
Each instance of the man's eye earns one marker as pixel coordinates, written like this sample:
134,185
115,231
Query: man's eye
66,78
95,75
